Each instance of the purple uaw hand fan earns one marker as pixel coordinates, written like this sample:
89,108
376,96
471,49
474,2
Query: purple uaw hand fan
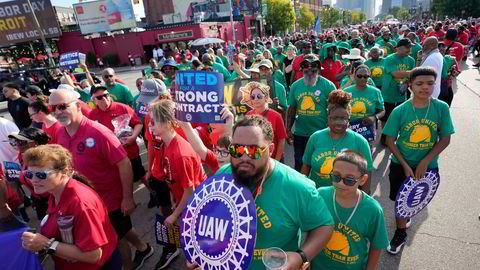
218,226
414,195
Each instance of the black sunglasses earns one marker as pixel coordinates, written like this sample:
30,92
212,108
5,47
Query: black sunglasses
348,181
108,76
102,96
42,175
363,76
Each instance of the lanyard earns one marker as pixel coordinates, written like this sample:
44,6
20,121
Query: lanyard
335,208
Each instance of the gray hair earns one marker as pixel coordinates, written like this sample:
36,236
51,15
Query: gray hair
108,70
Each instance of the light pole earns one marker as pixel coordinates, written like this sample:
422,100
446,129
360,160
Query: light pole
42,36
231,20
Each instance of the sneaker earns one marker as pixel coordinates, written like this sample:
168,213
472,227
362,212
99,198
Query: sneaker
141,257
168,255
153,200
409,223
398,240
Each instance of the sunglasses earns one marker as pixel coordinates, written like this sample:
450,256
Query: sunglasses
61,107
107,76
221,153
252,151
363,76
42,175
348,181
307,66
257,96
102,96
15,142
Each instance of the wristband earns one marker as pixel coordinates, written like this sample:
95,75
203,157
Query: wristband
303,255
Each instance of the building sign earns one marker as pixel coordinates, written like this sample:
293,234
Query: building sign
104,16
175,35
17,23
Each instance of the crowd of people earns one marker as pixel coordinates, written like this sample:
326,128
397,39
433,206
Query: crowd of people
78,147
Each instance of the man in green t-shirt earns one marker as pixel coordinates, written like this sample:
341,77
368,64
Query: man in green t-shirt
376,64
119,92
417,132
397,71
147,72
415,47
287,202
359,234
266,69
386,43
278,57
307,106
222,57
207,60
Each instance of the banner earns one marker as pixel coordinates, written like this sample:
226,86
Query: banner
104,16
218,228
71,60
237,94
199,96
414,195
13,256
166,235
12,171
17,23
367,130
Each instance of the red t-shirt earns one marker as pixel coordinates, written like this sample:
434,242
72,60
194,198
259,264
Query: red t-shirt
296,66
472,30
52,131
278,126
96,151
211,161
463,38
91,227
84,108
455,50
180,166
117,109
331,69
439,34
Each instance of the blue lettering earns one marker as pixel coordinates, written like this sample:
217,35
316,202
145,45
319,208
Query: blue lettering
200,79
211,79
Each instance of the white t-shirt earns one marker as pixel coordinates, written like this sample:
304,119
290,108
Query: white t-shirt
155,53
435,60
160,52
7,152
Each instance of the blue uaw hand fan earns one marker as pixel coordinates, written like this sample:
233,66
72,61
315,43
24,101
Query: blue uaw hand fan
414,195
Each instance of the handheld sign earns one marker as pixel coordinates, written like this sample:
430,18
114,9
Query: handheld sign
414,195
219,225
12,171
199,96
237,94
71,59
367,130
166,235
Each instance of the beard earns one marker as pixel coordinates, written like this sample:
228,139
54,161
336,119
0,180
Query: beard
64,120
248,178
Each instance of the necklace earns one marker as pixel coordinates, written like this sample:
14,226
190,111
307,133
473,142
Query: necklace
335,208
334,147
426,114
259,188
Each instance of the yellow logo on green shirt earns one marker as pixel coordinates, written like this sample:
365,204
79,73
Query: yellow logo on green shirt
421,133
326,167
339,242
307,103
359,107
377,72
338,247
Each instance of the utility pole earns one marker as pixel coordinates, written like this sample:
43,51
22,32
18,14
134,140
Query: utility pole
231,20
42,36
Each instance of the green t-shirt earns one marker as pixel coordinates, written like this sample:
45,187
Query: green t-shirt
279,77
225,61
377,69
311,105
448,61
281,94
344,81
319,153
83,95
387,50
234,75
365,102
415,49
278,58
147,72
185,66
273,50
288,204
416,132
218,60
120,93
390,86
221,69
350,244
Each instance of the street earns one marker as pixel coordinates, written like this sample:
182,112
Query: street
446,235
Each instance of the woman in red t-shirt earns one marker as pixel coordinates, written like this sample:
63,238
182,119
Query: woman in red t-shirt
259,100
39,112
77,231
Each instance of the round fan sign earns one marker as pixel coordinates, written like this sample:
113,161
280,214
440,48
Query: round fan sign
218,228
414,195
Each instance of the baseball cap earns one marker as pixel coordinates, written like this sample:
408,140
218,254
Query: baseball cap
266,63
169,62
405,42
97,87
151,89
30,135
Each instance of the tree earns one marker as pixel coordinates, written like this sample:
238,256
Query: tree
389,16
306,18
403,14
358,17
394,11
457,8
281,15
329,17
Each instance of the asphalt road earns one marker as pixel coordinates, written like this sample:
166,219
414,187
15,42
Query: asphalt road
445,235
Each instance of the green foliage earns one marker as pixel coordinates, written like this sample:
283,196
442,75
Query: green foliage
400,13
281,15
457,8
306,18
111,60
329,17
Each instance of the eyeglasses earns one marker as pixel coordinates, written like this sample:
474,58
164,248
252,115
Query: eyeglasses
360,76
15,142
107,76
42,175
348,181
61,107
221,153
253,151
257,96
102,96
307,66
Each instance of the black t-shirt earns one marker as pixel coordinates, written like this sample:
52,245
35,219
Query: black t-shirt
18,109
288,76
